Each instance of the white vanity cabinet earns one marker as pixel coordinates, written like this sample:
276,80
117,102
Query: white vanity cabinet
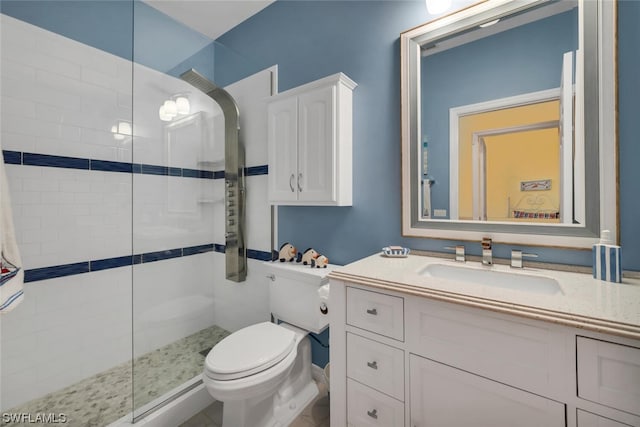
400,359
442,396
309,143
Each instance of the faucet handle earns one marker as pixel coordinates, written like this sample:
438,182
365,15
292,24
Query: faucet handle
459,250
486,243
516,258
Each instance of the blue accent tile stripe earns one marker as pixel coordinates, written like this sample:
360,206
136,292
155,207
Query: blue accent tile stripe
105,264
35,159
193,250
12,157
52,272
155,170
32,159
55,271
257,170
259,255
108,166
161,255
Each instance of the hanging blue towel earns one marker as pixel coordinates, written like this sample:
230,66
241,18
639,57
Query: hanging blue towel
11,272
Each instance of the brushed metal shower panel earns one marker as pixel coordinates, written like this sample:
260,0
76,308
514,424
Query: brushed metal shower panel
234,177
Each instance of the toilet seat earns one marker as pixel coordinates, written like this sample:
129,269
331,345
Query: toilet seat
248,351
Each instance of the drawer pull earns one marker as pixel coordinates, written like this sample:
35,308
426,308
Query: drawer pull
373,414
372,311
373,365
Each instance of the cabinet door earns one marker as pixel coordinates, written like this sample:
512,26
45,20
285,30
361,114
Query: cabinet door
317,145
283,149
442,396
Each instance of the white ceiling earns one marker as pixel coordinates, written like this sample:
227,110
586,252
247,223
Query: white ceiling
210,17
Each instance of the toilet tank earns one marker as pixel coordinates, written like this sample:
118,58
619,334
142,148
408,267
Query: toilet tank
294,295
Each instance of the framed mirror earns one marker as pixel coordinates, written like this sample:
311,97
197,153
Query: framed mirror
508,123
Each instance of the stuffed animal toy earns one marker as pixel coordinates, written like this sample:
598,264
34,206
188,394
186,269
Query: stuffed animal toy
307,256
320,262
287,253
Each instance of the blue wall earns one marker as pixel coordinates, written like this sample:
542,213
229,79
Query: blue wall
312,39
129,29
522,60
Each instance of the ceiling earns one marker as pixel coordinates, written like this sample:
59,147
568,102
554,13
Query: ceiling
210,17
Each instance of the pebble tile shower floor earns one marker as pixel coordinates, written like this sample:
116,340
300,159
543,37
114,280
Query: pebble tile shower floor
106,397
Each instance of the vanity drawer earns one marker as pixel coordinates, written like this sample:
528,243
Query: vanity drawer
375,312
609,374
523,353
368,407
376,365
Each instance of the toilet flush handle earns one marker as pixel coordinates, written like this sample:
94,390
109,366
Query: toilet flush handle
272,277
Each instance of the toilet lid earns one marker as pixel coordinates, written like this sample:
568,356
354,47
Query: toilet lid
249,350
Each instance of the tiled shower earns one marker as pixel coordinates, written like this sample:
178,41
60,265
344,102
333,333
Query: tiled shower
119,218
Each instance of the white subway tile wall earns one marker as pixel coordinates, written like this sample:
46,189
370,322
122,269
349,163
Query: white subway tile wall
62,98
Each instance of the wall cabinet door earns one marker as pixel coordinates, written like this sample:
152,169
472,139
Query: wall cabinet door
282,116
310,147
316,145
442,396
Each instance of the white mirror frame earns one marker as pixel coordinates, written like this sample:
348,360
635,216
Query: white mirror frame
602,214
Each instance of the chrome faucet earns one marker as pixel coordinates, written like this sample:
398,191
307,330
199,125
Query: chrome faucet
487,256
516,258
459,250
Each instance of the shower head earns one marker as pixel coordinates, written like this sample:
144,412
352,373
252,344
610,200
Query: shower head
198,80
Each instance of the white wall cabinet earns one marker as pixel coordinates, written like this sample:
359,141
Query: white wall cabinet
310,143
405,360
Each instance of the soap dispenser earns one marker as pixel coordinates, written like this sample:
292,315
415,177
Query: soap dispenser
607,263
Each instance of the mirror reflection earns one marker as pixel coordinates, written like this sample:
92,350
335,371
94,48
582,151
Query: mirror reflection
500,135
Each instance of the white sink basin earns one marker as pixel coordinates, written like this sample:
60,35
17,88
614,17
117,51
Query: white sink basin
495,278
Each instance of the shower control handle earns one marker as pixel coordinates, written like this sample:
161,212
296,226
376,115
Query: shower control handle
291,182
299,186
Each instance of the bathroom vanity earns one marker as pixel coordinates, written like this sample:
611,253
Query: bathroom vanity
423,341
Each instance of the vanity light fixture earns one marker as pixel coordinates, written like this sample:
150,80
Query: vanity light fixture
177,105
436,7
490,23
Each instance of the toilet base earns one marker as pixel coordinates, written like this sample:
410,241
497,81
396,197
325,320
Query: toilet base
285,414
277,409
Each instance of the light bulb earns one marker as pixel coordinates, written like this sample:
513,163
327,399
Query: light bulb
170,108
117,136
124,128
435,7
182,105
162,113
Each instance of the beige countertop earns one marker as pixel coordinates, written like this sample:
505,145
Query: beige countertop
582,301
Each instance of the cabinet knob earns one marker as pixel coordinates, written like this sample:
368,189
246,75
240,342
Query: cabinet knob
372,311
373,365
373,414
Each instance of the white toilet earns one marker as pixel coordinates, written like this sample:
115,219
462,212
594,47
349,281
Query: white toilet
262,372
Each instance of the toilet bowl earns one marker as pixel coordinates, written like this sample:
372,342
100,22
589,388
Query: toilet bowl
262,373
